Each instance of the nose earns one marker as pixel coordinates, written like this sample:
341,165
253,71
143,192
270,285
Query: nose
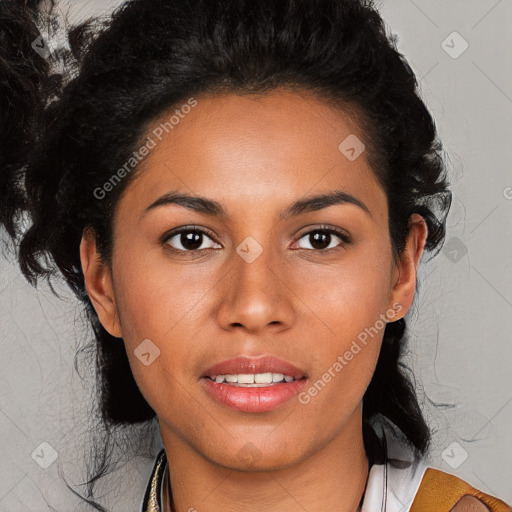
255,294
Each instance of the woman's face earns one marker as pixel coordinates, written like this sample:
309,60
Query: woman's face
252,277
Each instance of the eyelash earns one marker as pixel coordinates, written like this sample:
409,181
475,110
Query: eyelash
345,238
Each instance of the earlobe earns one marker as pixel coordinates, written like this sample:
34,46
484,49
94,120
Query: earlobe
404,287
98,284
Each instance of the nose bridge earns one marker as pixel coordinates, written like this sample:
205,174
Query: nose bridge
255,262
255,296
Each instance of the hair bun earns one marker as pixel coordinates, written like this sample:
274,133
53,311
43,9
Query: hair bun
22,75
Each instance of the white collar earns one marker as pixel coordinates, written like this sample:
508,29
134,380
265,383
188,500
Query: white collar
392,489
393,484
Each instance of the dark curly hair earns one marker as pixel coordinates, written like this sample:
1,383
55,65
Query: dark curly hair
64,132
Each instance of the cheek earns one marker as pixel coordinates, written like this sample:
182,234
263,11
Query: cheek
162,304
155,298
351,300
351,294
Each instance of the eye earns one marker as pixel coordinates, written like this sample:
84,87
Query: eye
322,239
190,239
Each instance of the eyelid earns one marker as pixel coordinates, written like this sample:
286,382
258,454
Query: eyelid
326,227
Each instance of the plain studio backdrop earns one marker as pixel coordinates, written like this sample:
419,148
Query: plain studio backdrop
460,324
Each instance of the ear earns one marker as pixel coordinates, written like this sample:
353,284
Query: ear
405,271
98,284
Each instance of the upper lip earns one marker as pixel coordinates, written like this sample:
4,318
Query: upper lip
248,365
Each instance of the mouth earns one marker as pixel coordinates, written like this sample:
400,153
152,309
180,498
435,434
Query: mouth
253,384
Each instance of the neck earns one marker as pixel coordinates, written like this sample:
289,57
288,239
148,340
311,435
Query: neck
331,480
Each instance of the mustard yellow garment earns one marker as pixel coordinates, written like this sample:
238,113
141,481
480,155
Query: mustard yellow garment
442,492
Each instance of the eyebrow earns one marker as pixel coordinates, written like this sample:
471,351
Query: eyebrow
210,207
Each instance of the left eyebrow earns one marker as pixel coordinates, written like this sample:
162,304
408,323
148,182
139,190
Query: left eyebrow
315,203
210,207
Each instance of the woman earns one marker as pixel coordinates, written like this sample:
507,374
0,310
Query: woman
241,193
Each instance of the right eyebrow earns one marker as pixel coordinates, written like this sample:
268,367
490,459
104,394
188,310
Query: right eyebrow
196,203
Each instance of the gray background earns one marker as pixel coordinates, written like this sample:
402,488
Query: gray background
461,350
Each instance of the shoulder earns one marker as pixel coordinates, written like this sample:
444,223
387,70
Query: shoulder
406,481
445,492
470,504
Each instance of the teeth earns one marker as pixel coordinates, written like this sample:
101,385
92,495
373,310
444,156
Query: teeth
263,378
252,380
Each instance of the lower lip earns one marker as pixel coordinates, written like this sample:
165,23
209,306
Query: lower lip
259,399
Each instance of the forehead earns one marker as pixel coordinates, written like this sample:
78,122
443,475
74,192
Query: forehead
252,148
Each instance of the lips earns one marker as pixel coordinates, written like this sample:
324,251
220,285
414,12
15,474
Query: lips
229,383
248,365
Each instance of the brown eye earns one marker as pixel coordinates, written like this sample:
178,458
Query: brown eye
187,240
322,239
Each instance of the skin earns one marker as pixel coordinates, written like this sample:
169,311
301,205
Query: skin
255,156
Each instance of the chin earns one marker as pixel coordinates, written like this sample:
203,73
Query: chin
248,457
